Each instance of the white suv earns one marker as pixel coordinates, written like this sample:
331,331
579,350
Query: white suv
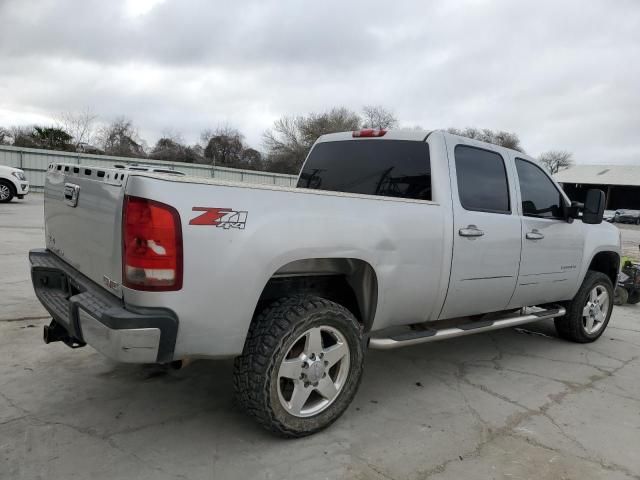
13,183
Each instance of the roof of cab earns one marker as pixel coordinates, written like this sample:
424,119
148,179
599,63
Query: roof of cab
420,136
402,134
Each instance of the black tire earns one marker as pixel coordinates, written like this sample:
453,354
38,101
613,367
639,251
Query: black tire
571,326
273,332
620,296
8,185
634,297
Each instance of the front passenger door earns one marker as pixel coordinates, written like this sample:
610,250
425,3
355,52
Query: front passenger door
551,247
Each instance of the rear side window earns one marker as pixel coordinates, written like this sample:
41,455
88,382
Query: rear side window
482,180
540,197
390,168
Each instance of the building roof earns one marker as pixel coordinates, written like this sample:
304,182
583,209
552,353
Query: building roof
601,175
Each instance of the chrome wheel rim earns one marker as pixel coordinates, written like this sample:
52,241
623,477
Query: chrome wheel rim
594,313
313,371
4,192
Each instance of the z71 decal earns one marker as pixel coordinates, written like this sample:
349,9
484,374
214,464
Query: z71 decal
220,217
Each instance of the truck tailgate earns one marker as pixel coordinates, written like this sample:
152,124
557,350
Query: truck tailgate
82,213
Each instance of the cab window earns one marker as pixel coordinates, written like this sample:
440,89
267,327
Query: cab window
482,180
389,168
540,197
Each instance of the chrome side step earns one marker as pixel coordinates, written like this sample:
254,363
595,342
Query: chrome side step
415,337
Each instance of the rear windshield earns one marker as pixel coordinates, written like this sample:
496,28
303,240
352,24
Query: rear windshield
390,168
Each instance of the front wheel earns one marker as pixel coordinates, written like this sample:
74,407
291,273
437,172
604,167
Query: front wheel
301,366
590,310
6,191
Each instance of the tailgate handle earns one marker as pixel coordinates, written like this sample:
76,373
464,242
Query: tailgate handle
71,192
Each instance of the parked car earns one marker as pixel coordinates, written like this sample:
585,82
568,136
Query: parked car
84,147
627,216
609,215
13,183
391,238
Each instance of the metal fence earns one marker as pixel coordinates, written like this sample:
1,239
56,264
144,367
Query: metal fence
35,162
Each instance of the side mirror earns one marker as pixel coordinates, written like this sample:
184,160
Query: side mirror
594,204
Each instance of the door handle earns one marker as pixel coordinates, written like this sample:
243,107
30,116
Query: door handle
534,235
470,231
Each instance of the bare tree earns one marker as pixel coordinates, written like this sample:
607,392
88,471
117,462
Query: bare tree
556,160
290,139
80,125
22,136
376,116
5,136
497,137
121,138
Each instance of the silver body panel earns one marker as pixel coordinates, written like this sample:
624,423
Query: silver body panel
424,270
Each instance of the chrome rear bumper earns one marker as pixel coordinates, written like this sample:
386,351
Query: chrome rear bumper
84,313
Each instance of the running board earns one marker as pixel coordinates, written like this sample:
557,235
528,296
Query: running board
415,337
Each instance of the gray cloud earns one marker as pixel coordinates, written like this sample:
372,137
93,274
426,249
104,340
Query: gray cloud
563,75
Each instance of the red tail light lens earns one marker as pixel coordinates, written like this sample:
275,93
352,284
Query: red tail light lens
151,245
369,132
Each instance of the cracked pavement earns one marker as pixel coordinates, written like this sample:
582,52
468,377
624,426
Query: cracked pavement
513,404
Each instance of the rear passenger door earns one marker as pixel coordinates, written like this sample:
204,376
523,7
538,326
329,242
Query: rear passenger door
487,230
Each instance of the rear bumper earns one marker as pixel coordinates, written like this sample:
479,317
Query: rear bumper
90,315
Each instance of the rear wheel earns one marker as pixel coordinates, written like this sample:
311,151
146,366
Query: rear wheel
301,366
590,310
6,191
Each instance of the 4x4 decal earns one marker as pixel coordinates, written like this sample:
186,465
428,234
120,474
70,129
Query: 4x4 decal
220,217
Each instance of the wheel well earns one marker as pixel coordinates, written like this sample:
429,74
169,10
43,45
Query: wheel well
607,263
350,282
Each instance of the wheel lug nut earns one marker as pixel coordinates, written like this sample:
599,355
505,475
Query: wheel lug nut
315,384
306,384
322,355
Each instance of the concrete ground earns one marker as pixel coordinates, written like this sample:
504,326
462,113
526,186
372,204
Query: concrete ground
517,403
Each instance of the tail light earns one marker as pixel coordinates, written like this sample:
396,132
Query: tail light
151,245
369,132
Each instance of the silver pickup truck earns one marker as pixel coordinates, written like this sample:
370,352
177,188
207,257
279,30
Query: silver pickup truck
390,238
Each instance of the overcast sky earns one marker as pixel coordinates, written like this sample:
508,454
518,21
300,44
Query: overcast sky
561,74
